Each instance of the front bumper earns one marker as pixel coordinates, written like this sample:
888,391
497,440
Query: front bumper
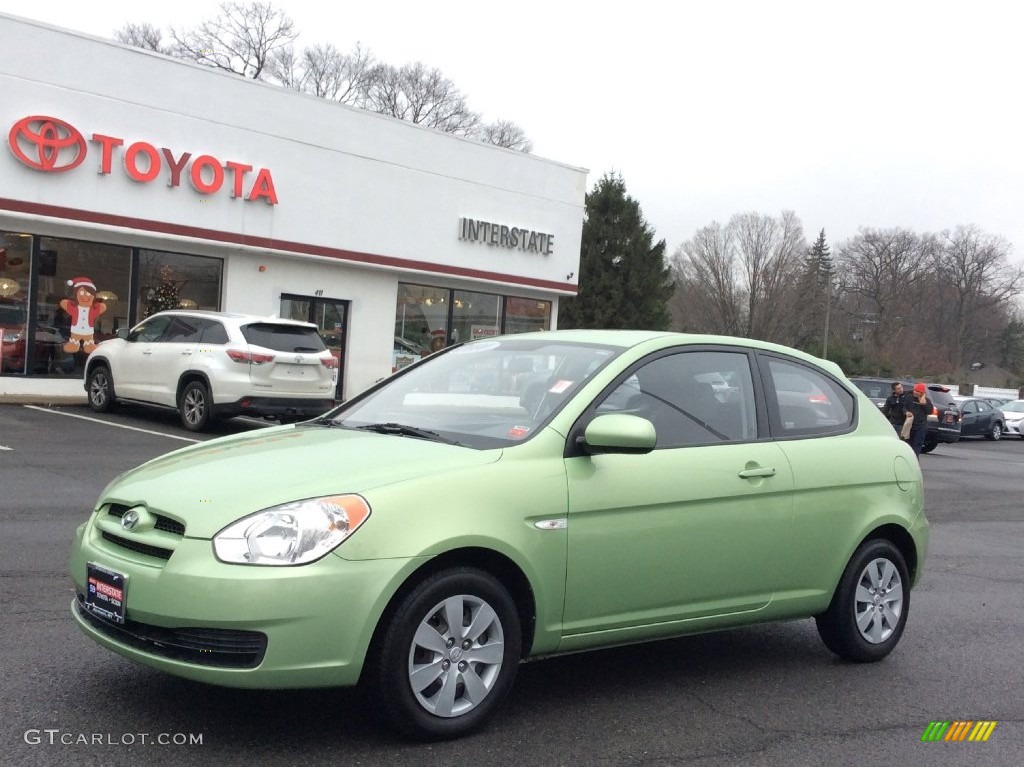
235,625
1014,428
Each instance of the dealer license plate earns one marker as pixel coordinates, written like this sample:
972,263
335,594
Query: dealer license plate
105,592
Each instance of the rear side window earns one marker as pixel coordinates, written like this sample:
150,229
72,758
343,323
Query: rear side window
214,333
283,338
804,401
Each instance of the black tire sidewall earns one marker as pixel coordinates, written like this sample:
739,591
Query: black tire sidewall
207,410
838,625
390,681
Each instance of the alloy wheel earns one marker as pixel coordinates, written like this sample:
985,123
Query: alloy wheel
194,406
879,600
98,385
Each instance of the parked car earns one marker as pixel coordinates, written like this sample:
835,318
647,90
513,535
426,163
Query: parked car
48,352
211,365
1013,414
944,420
422,539
979,419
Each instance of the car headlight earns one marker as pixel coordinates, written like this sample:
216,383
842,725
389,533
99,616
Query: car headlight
292,534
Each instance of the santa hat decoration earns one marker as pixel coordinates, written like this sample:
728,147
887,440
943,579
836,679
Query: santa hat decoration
82,282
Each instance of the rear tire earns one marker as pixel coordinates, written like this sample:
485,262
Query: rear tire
100,389
928,447
448,655
869,609
195,407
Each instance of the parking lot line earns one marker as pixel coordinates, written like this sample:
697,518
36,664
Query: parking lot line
110,424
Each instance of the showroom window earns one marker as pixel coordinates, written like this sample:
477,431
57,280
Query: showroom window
69,295
525,315
475,316
177,280
429,318
81,299
15,262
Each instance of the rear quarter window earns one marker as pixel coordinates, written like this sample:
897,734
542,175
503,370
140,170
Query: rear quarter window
283,338
805,402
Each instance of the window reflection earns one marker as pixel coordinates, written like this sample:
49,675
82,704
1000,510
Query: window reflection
178,280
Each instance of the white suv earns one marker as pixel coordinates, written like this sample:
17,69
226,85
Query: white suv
215,364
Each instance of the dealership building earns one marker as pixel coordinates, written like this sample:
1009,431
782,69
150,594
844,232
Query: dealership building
161,183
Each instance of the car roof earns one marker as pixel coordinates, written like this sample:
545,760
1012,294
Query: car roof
237,317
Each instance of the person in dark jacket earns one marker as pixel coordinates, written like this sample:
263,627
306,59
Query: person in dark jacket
893,409
920,406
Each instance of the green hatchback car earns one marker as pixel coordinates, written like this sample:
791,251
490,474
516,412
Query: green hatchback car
507,499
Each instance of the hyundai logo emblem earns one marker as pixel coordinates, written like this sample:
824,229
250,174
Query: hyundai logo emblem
129,520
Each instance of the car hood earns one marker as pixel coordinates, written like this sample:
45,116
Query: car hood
210,485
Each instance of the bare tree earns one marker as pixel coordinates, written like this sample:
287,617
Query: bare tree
423,96
980,281
883,271
708,297
771,253
342,77
241,39
504,133
144,36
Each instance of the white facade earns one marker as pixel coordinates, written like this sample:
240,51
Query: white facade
363,202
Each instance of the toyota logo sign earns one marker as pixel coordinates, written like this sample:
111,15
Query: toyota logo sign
53,146
47,144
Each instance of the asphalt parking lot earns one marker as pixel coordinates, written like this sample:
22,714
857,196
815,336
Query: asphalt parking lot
767,695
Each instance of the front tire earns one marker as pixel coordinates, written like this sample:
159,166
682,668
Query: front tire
869,609
195,407
996,432
448,655
100,389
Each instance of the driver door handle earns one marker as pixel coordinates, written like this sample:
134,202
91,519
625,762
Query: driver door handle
759,472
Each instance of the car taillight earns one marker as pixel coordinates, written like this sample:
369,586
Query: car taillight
329,361
255,358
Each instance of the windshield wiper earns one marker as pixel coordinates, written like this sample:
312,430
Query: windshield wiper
393,428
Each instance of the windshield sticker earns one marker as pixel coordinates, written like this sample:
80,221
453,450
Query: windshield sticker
518,433
560,386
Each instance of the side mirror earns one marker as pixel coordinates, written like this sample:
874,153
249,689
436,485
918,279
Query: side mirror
618,433
122,333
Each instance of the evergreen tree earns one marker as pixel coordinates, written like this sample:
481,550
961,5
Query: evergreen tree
624,280
165,295
815,294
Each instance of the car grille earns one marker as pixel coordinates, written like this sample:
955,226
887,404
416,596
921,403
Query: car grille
208,647
158,542
163,523
135,546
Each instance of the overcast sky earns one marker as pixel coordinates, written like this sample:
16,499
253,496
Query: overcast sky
874,114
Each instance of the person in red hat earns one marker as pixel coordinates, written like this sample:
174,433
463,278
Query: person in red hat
917,404
83,310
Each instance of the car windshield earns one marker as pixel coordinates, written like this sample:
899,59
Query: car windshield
484,394
1017,406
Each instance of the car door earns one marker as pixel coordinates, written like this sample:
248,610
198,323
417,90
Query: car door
694,528
133,369
170,357
813,420
971,419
